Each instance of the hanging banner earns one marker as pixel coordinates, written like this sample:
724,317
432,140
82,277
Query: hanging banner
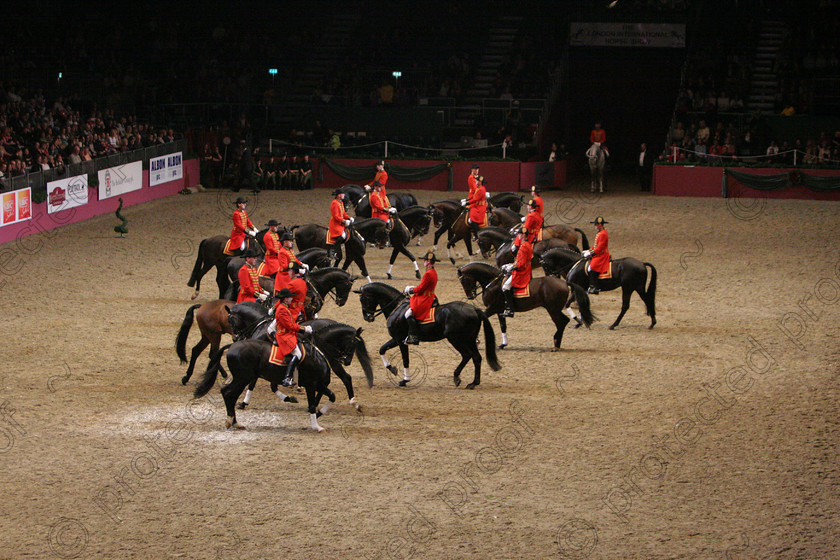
121,179
600,34
67,193
166,168
16,206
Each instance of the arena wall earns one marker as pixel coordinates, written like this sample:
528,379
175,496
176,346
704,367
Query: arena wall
42,221
703,181
501,175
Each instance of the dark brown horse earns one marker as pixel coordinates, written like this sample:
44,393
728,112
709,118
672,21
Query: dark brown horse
503,217
212,318
506,255
552,294
561,232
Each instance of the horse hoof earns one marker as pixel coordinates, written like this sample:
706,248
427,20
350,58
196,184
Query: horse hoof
195,295
612,327
576,326
452,260
320,430
403,383
502,346
392,369
242,406
318,414
290,399
555,349
224,375
184,380
470,386
457,381
331,396
417,274
652,323
388,274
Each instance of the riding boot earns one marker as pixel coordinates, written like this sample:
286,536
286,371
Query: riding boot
509,303
593,283
290,370
413,332
474,229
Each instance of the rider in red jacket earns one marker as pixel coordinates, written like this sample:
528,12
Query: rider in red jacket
599,254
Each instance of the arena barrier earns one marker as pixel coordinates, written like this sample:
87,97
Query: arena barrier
705,181
441,175
40,220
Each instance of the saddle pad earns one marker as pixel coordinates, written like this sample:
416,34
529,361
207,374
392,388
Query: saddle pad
228,249
430,318
279,359
540,234
607,274
522,292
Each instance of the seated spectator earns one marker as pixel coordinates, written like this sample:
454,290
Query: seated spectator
772,152
700,150
703,132
678,133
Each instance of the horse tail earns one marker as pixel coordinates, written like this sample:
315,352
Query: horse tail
181,339
489,342
586,316
650,294
199,263
584,242
364,357
209,377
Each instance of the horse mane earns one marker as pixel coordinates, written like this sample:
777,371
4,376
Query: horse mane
318,272
329,329
480,266
388,287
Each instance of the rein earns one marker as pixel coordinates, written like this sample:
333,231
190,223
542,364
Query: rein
382,307
250,332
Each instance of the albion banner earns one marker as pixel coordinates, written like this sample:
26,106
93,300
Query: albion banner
17,206
121,179
166,168
67,193
601,34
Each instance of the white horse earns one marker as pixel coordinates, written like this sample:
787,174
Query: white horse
597,160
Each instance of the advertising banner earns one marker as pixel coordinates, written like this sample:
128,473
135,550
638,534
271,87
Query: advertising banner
601,34
121,179
165,168
67,193
16,206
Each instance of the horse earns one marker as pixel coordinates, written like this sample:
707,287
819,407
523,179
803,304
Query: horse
352,194
314,235
314,257
331,279
338,342
597,161
398,200
491,238
446,212
212,322
553,294
559,231
210,254
457,321
505,253
248,360
629,273
510,200
399,237
417,219
459,231
503,217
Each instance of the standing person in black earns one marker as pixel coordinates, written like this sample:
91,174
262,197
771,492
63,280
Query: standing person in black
246,168
644,167
305,168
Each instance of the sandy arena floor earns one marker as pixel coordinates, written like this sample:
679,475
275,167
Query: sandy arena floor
715,435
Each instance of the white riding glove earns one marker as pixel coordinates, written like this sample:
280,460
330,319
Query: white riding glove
408,290
272,328
507,267
307,329
522,219
587,254
352,220
486,195
463,202
305,267
392,210
271,312
262,297
252,233
367,188
347,222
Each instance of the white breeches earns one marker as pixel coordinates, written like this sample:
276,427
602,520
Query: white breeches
409,313
508,283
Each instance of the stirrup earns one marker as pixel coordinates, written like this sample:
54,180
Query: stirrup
411,339
507,313
593,290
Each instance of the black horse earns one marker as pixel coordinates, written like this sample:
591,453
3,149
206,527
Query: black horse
352,194
513,201
417,219
399,237
210,254
314,257
314,235
398,200
248,360
503,217
628,273
458,322
506,255
338,341
491,238
553,294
